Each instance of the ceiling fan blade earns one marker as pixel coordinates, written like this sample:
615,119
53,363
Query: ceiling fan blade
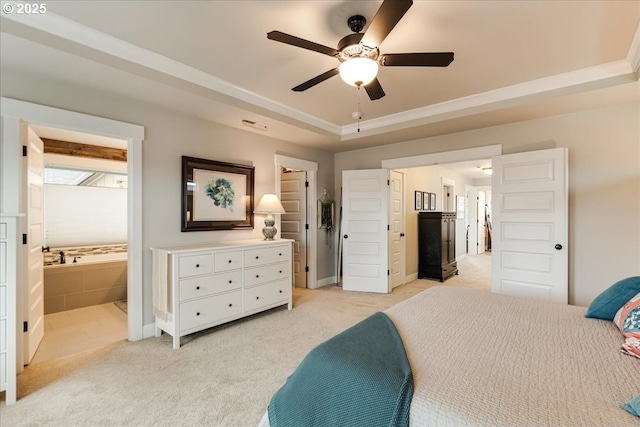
314,81
386,18
429,59
297,41
374,90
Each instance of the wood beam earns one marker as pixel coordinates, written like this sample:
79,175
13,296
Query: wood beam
54,146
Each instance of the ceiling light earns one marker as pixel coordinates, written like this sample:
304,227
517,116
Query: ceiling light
358,71
487,170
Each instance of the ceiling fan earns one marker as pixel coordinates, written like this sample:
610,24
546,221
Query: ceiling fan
359,54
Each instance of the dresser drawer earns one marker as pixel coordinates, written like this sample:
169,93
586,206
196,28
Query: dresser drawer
264,295
255,257
209,310
280,253
208,285
268,273
226,261
195,265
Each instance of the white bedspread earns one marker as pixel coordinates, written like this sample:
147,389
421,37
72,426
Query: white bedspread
483,359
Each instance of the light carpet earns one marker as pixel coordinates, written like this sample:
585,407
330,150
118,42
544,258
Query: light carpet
224,376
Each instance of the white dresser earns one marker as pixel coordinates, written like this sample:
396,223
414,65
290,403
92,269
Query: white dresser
8,303
197,287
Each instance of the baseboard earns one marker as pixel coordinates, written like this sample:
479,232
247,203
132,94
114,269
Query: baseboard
326,281
149,330
410,277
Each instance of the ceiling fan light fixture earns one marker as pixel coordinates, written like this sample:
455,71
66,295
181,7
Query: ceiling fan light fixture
358,71
487,170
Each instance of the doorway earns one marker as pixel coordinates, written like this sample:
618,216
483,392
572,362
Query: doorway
295,222
310,169
446,160
84,247
17,115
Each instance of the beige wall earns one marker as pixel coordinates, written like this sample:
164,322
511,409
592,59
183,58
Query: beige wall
170,135
604,183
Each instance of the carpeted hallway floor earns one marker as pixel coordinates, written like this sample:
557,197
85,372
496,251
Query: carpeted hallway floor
223,376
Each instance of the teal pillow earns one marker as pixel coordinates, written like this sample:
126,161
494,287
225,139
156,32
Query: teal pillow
633,407
607,304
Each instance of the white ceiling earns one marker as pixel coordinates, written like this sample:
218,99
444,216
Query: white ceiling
514,60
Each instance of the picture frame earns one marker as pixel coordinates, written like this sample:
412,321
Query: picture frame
418,201
425,201
460,207
216,195
432,201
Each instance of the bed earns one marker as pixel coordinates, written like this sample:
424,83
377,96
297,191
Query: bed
482,359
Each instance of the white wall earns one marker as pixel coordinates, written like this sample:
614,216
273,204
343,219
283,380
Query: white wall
604,183
170,135
78,216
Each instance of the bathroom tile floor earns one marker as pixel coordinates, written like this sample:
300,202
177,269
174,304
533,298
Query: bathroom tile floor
73,331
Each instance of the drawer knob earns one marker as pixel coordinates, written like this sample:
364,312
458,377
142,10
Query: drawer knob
280,291
257,275
197,288
230,305
198,314
229,261
280,272
280,254
257,257
230,281
257,297
197,265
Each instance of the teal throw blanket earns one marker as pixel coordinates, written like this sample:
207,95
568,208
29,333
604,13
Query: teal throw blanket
360,377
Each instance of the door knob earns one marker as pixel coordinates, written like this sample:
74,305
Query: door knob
558,246
346,236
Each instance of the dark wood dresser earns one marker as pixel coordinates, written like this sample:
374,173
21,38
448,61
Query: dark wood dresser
437,245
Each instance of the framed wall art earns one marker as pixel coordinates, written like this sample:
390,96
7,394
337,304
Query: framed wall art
432,201
216,195
425,201
418,201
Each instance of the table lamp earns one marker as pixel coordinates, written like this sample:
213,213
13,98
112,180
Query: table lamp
270,205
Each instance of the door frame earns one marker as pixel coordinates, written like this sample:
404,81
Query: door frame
442,157
312,211
17,113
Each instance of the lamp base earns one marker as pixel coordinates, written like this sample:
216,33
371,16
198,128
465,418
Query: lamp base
269,231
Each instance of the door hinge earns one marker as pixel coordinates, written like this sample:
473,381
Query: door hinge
25,327
388,227
306,226
306,183
24,151
306,269
388,272
388,182
24,239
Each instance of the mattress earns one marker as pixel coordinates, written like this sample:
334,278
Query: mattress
482,359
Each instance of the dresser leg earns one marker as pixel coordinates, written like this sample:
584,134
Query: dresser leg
176,341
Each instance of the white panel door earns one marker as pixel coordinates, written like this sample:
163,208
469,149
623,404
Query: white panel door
293,196
365,215
35,234
530,225
396,234
481,200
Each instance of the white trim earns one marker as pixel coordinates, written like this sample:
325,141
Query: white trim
443,157
410,277
312,245
633,56
327,281
25,112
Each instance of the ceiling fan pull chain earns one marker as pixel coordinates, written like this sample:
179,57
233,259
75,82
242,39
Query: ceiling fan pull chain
359,113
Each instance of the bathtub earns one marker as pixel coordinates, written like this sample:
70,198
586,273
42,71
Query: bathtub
92,280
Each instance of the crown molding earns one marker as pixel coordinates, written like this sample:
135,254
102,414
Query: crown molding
609,74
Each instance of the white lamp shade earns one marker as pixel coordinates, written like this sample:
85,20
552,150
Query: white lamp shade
269,204
358,70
